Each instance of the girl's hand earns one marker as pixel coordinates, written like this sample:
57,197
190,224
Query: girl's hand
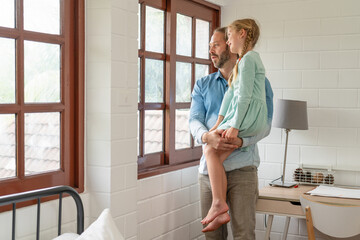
231,134
219,120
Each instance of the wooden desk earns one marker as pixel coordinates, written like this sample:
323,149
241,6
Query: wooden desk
283,202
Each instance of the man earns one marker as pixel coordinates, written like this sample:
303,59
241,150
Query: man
240,166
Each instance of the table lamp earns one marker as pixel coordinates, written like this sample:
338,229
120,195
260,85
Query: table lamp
289,115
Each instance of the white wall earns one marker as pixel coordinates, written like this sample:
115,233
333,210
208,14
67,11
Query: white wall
311,52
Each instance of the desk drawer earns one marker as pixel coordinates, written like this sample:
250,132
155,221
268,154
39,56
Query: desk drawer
276,207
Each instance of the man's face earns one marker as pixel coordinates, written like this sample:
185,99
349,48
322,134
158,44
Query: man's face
219,51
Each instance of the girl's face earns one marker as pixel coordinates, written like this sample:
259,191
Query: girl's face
235,40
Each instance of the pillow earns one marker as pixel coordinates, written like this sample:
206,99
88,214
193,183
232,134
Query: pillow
67,236
104,228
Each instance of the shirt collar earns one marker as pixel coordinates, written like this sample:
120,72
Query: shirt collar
219,76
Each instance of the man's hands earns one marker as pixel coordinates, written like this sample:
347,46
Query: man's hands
215,140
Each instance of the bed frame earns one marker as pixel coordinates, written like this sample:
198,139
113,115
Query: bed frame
13,199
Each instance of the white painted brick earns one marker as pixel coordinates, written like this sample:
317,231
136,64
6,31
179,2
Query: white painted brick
132,70
132,29
260,221
171,181
322,117
161,204
349,8
261,148
323,156
131,125
132,50
144,210
348,158
98,4
337,137
269,170
272,61
343,59
119,21
311,96
98,100
98,75
123,202
261,45
130,225
98,153
119,73
345,178
99,179
319,43
98,202
285,79
177,234
97,22
301,60
119,48
302,28
349,118
98,126
275,153
272,28
123,100
349,79
303,137
149,187
131,175
284,44
338,98
189,176
181,198
98,48
123,127
351,42
148,231
358,97
320,79
339,26
124,150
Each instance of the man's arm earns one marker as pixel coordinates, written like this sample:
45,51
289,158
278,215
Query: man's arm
247,141
198,127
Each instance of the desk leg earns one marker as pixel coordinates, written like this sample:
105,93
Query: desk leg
286,228
269,225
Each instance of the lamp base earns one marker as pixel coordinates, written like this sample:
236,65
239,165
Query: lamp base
279,183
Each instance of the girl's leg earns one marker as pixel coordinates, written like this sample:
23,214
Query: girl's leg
214,160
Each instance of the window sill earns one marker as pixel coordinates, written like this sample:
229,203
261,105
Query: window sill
165,169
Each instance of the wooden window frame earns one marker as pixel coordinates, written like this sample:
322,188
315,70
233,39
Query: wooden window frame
171,159
71,105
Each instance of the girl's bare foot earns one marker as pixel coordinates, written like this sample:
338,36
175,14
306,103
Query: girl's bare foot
217,222
216,209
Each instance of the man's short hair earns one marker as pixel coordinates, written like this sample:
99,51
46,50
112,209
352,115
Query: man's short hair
222,30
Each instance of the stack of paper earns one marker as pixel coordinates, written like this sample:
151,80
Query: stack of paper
327,191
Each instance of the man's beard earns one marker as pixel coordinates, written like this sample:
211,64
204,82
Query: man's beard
223,58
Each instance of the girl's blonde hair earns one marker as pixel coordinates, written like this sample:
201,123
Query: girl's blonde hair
252,35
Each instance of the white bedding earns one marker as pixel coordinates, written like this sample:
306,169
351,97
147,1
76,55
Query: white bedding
67,236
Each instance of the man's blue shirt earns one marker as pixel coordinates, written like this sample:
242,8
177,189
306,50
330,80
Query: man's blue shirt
206,100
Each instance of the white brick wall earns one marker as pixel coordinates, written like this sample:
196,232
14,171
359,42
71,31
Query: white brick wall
310,50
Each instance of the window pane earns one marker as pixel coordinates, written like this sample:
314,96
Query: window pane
153,131
7,16
7,70
202,39
42,16
42,142
7,146
139,72
139,26
41,72
183,82
154,80
182,134
183,35
201,70
154,30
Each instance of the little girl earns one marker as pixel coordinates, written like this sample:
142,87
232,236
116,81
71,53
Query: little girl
243,112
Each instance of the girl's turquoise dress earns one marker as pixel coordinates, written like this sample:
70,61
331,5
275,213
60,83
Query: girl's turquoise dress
244,104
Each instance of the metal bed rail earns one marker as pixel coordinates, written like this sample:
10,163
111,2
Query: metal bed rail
12,199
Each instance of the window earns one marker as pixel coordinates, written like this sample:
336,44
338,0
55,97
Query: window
41,94
174,37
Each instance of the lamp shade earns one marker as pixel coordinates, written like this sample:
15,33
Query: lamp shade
290,114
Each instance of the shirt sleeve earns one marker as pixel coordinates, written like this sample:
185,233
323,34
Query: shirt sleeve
245,83
197,114
247,141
